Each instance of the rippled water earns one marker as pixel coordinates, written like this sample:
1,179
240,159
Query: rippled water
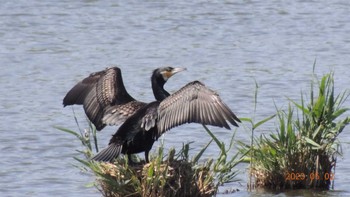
47,46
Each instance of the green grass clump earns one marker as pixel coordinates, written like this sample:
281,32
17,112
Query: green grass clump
302,153
170,177
171,174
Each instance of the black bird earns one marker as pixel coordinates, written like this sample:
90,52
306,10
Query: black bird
104,96
192,103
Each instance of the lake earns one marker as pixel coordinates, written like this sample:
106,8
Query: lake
48,46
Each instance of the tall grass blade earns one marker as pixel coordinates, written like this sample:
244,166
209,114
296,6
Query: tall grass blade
217,141
199,155
256,125
68,131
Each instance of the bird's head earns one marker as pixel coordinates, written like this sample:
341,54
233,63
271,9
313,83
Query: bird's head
159,78
165,73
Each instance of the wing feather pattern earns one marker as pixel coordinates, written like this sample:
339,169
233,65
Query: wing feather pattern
104,97
117,114
194,103
79,92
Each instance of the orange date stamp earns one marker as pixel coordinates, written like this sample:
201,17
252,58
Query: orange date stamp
295,176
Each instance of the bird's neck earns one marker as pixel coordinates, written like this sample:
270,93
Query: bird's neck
158,89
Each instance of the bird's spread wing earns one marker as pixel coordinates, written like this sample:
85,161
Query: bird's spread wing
99,92
194,103
79,92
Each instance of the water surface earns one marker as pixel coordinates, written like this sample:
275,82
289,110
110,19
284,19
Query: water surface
46,47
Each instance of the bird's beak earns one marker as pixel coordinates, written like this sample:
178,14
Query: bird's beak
176,70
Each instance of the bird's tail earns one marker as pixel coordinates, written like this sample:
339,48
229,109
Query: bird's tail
108,154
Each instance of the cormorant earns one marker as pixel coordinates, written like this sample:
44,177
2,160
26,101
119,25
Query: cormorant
106,101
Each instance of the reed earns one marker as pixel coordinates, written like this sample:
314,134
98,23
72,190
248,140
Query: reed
175,173
303,151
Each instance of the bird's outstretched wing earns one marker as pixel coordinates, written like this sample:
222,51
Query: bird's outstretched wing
78,93
102,93
194,103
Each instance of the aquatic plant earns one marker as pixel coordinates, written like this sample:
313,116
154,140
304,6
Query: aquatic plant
303,151
168,174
